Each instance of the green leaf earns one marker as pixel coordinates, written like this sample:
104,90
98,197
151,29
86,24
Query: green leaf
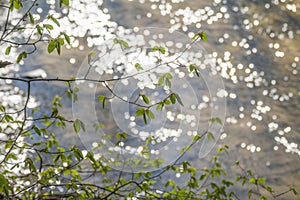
103,99
51,46
144,117
138,66
39,29
122,43
17,4
67,38
161,81
160,106
145,98
7,51
150,114
252,180
173,98
21,56
168,83
195,69
2,108
91,55
4,185
37,130
31,19
49,27
121,135
139,112
196,138
64,2
202,36
160,49
210,136
77,125
155,48
168,75
218,120
178,99
54,20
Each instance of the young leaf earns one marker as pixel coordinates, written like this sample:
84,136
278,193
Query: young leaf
122,43
144,117
210,136
67,38
103,99
178,99
161,81
160,106
49,27
155,48
139,112
77,125
168,83
7,51
145,98
64,2
138,66
218,120
21,56
196,138
54,20
31,19
168,75
173,98
162,50
121,135
51,46
91,55
150,114
203,36
39,29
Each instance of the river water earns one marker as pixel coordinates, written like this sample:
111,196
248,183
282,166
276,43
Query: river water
255,45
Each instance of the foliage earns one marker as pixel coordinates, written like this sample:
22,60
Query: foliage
33,167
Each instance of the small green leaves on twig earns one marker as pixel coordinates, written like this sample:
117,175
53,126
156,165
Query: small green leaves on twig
193,68
78,125
55,44
54,20
159,48
122,43
215,119
4,186
200,35
197,138
175,97
145,98
16,4
165,79
145,113
119,136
